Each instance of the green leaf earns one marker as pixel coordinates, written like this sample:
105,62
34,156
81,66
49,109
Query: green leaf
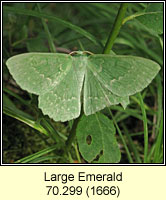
96,137
36,44
153,18
61,79
153,7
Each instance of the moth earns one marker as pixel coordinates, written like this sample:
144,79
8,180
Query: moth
66,81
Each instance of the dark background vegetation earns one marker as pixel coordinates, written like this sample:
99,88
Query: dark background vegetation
22,33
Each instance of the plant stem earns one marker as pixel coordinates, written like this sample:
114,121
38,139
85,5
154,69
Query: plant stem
113,34
72,133
77,153
159,141
50,40
145,128
116,28
122,138
131,144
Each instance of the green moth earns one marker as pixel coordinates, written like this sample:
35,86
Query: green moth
64,81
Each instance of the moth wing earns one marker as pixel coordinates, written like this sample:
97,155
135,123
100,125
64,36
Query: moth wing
97,97
39,72
123,75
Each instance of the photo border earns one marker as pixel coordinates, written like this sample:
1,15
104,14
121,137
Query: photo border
87,164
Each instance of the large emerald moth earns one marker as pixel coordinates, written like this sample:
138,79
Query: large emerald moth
64,81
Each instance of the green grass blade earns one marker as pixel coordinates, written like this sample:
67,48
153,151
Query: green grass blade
145,128
159,101
132,145
58,20
17,114
46,124
130,112
37,154
49,36
122,138
158,146
44,158
17,97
